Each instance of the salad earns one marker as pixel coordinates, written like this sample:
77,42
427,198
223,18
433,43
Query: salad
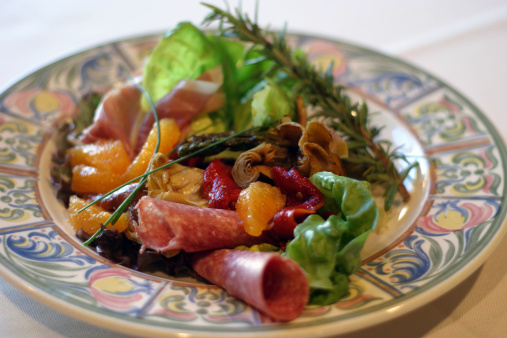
232,159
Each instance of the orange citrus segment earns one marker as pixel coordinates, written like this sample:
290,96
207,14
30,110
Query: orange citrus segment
86,179
104,165
257,204
170,134
91,218
104,155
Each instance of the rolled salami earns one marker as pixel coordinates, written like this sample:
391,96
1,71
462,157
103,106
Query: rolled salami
273,284
165,226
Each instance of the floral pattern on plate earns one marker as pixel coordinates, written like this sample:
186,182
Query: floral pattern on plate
444,119
18,202
463,210
19,141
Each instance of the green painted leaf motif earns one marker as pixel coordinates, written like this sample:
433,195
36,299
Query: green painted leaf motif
10,215
6,156
436,256
6,184
21,197
208,304
175,302
451,251
14,127
183,289
355,297
476,234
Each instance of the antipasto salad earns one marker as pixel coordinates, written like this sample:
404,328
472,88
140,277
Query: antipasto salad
209,164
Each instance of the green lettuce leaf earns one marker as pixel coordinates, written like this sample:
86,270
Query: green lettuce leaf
243,70
269,105
183,53
349,198
329,250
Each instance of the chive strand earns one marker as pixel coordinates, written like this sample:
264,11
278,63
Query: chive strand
116,215
146,174
150,101
197,152
119,211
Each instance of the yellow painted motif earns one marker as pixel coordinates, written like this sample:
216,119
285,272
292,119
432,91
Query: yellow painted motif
46,102
471,188
114,284
323,61
430,108
450,219
7,216
472,160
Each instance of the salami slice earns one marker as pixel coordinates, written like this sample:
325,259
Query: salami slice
273,284
165,226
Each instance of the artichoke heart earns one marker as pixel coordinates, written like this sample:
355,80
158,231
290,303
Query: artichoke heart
320,147
176,183
256,161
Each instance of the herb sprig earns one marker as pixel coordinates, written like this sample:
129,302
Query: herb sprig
319,90
143,179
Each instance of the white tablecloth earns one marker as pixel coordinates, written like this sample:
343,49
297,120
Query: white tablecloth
462,42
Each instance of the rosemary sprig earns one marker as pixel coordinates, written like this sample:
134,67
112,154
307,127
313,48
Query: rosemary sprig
319,90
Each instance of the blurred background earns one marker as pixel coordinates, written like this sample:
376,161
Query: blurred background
464,43
441,36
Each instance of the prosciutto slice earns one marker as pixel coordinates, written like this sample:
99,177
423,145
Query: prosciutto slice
117,117
120,117
189,99
165,226
273,284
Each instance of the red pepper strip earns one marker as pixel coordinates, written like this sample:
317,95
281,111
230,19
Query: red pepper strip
303,198
219,187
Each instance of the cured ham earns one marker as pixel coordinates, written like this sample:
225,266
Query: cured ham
189,99
117,117
273,284
165,226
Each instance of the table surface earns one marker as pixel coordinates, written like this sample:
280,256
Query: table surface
462,42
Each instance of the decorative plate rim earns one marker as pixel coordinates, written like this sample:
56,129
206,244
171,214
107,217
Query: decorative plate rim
374,315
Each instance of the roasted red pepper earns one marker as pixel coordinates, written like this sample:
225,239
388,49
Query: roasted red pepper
219,187
303,198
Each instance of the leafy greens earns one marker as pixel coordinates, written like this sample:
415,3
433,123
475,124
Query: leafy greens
183,53
329,250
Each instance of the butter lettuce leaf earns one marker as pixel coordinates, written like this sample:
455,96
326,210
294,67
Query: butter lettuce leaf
329,249
269,105
349,198
244,72
183,53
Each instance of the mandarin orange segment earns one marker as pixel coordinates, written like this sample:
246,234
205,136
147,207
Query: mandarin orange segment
104,165
86,179
169,136
104,154
91,218
257,204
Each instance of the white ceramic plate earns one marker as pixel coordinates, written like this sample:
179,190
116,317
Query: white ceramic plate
452,223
